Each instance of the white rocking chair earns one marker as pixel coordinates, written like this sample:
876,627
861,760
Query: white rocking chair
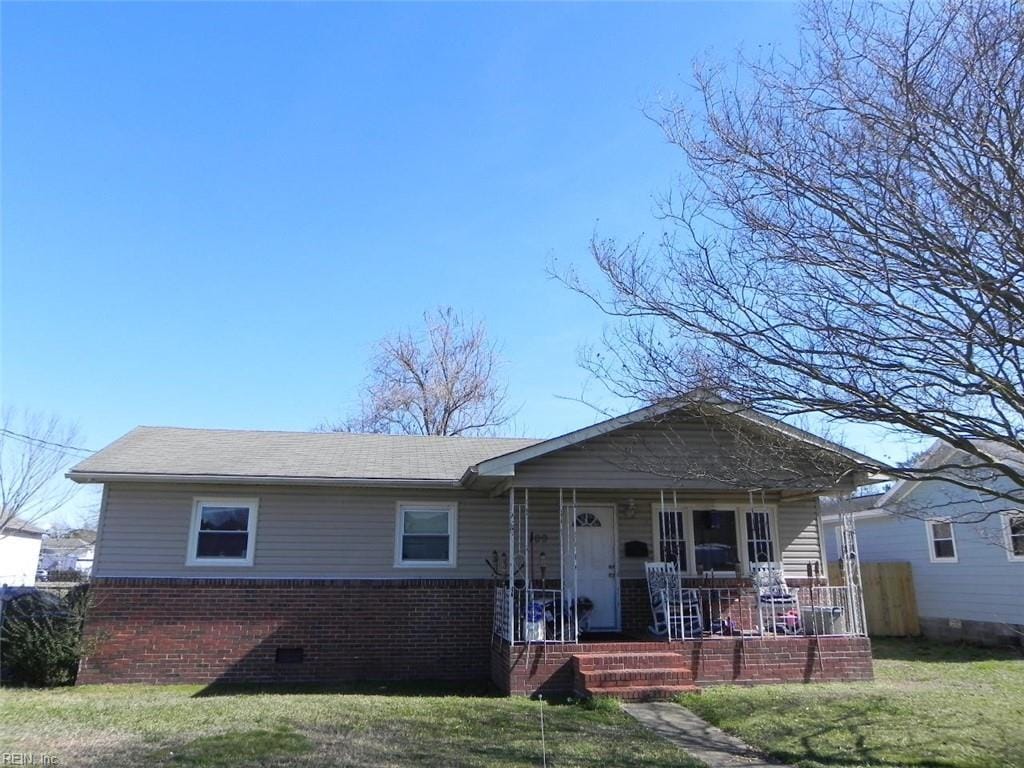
676,611
777,604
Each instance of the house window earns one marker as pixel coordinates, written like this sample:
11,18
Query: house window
714,540
425,535
942,546
672,538
1015,535
223,532
760,545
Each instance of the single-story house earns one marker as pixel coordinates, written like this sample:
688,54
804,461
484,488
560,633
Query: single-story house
277,556
19,553
966,551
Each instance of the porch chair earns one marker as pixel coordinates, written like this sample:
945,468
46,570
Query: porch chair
676,610
777,605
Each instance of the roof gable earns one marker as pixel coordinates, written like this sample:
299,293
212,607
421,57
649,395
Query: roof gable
504,466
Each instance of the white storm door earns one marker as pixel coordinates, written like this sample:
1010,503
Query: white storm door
597,564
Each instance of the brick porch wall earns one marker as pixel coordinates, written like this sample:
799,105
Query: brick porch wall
206,630
547,669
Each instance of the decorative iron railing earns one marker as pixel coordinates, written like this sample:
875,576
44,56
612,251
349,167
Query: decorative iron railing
711,613
534,615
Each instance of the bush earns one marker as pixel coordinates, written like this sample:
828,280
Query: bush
600,704
41,638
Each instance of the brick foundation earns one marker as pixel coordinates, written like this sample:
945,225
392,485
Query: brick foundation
548,669
210,630
203,630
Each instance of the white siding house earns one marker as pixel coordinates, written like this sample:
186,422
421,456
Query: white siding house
966,552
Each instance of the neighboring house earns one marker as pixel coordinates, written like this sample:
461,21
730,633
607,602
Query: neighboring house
966,552
234,555
19,553
73,551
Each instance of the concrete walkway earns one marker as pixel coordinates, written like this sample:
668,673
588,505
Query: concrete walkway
702,740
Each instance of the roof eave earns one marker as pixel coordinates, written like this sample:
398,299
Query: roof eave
154,477
863,514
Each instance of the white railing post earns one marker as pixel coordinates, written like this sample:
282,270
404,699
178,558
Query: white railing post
511,564
851,570
575,577
524,516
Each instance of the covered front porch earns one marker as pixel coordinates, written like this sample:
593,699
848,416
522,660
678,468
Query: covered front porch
643,593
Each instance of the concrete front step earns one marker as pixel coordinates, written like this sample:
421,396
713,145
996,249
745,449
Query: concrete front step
641,692
638,660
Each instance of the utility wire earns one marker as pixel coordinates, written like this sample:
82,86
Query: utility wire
44,443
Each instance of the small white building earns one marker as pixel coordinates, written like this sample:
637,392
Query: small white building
19,553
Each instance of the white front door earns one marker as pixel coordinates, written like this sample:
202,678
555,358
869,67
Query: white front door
597,564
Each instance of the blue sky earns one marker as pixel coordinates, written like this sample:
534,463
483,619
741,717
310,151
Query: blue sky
211,211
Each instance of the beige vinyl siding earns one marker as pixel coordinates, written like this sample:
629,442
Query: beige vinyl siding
799,536
312,532
302,532
648,456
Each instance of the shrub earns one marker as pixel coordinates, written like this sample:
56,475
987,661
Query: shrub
600,704
41,638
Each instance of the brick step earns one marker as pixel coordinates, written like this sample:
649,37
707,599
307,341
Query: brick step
641,692
638,660
605,678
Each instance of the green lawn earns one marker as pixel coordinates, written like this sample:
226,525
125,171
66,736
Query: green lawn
930,706
117,726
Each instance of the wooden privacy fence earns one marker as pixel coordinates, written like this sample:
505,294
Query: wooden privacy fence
890,605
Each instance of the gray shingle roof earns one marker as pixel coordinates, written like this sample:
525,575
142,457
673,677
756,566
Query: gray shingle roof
301,455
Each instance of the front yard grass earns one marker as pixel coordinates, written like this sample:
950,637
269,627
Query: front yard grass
931,706
167,726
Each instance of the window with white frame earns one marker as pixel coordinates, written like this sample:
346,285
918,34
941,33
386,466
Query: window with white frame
760,544
223,532
672,537
942,544
715,541
426,535
1015,535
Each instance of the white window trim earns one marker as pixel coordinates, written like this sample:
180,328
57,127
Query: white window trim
452,508
1009,540
193,533
773,523
656,509
931,541
740,518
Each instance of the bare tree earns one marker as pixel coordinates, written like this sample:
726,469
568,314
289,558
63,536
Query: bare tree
441,380
848,238
34,451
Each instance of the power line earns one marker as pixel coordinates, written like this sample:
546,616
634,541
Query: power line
44,443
